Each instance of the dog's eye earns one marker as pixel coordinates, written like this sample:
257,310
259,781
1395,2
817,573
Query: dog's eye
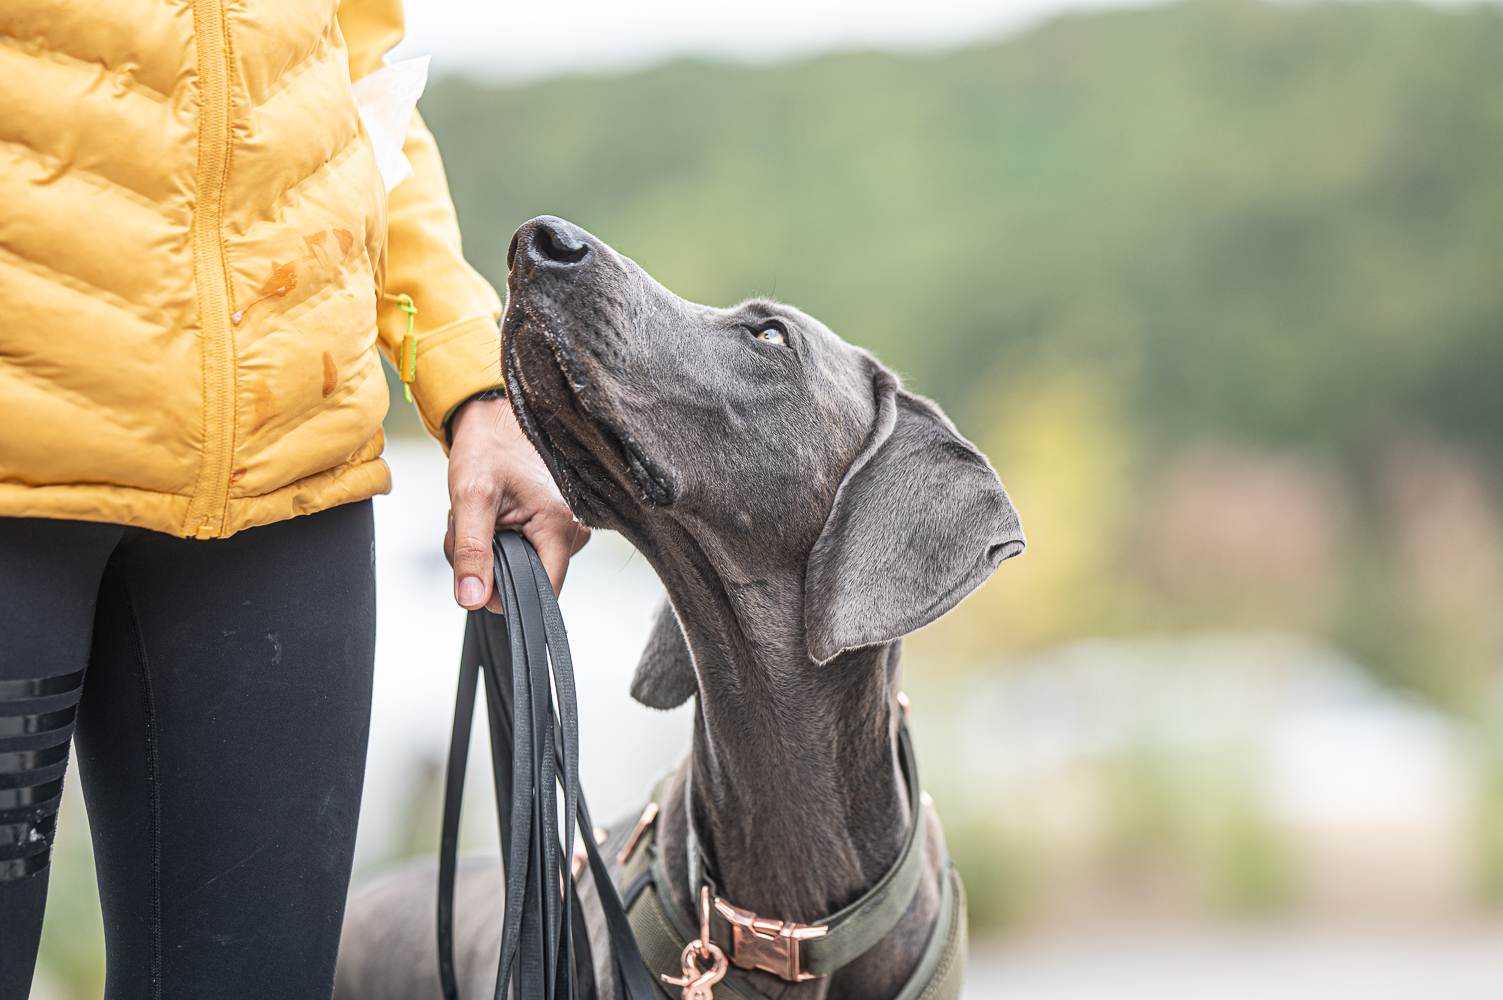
773,333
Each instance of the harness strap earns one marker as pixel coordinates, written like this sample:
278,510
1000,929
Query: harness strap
655,921
941,968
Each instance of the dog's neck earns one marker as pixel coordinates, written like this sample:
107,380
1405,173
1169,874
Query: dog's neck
793,783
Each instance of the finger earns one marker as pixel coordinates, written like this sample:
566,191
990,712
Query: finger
556,539
475,506
495,603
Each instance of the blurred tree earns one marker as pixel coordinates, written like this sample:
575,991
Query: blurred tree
1063,447
1187,273
1295,211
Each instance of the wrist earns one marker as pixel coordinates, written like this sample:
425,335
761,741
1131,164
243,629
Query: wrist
484,396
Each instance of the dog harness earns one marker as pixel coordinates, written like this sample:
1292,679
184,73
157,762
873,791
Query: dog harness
794,952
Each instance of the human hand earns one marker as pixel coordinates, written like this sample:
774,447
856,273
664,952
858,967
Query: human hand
498,480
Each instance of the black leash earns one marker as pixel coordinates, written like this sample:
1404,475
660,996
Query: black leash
534,751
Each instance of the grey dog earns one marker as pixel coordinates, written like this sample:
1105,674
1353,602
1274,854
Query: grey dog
804,513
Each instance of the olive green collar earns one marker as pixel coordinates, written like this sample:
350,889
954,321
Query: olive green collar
796,952
662,931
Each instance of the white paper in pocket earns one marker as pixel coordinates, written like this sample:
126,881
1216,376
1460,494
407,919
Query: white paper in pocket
387,99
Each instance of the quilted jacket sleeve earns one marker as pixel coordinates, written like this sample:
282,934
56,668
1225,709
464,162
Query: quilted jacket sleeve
458,343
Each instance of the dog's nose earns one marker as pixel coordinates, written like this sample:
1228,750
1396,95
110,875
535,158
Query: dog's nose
547,240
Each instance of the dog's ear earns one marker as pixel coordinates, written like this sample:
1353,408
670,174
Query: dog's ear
665,674
920,521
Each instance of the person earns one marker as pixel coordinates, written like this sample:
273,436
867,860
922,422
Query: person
198,263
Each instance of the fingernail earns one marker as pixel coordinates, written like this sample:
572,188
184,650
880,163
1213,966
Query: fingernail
470,590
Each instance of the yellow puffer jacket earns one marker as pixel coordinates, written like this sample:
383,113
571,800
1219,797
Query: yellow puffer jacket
194,239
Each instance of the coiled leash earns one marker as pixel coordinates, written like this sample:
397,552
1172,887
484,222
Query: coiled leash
545,953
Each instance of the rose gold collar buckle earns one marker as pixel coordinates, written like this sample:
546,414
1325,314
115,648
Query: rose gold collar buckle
769,945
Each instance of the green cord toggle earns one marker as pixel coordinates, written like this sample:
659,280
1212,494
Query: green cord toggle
407,357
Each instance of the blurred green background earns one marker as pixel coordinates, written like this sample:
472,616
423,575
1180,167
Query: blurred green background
1215,285
1132,254
1218,286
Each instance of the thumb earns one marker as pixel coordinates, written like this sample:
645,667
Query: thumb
467,543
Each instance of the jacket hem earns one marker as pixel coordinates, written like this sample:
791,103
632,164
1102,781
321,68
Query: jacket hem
165,512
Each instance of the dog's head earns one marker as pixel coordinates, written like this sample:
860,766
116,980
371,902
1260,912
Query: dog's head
756,431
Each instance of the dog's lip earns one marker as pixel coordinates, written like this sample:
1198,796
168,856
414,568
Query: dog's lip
522,410
656,486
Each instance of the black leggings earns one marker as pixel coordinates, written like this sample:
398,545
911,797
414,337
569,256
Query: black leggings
222,694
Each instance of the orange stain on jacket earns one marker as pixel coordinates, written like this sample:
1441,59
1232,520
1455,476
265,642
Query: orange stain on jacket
284,276
315,244
283,280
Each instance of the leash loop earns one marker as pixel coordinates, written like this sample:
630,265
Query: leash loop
545,952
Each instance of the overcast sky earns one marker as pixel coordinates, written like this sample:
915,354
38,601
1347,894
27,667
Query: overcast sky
511,39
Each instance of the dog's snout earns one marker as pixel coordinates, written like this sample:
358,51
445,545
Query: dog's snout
548,241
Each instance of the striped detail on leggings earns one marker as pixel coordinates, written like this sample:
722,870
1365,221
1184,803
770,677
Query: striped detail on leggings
36,725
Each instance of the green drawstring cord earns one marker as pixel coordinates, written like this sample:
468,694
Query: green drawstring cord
407,357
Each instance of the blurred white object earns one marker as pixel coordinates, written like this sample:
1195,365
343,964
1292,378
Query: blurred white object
1246,962
386,99
1371,795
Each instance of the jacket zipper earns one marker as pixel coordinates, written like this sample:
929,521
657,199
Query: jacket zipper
206,507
